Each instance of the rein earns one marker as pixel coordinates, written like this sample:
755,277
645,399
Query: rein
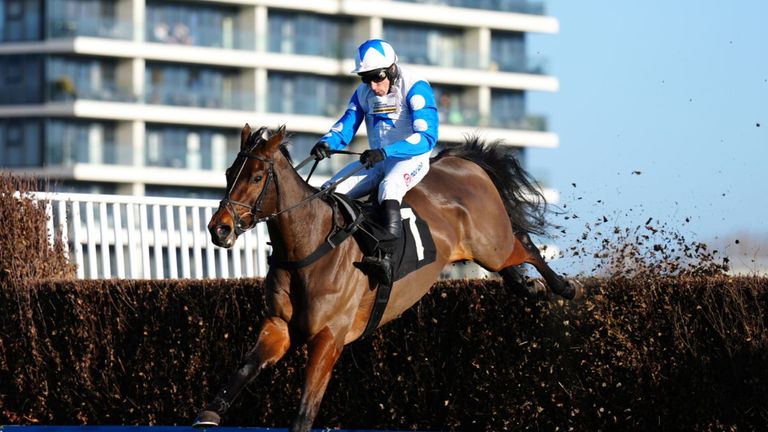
228,203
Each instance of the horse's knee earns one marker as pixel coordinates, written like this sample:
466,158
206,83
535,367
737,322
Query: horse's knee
274,341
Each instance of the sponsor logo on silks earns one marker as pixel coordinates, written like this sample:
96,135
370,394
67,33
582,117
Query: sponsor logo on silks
418,168
407,177
384,108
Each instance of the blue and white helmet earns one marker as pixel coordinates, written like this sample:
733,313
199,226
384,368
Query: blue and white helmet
374,54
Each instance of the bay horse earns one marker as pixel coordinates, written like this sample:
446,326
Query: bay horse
480,206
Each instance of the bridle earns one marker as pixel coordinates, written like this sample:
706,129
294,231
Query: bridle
228,203
253,209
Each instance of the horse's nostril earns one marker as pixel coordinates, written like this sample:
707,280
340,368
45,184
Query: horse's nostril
222,231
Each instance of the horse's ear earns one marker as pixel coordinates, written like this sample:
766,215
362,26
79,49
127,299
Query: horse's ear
244,135
276,139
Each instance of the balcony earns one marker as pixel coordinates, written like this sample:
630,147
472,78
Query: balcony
72,142
306,94
197,23
192,148
60,151
534,123
158,95
63,89
209,37
59,26
515,6
180,84
311,34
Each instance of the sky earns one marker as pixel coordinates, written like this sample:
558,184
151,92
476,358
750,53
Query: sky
662,113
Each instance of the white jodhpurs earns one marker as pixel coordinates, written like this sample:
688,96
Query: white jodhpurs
393,177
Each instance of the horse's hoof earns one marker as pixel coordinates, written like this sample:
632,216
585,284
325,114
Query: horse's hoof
206,419
574,289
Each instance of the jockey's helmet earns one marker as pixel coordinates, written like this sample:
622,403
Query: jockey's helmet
374,54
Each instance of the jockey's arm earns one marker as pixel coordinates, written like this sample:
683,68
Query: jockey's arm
425,123
344,130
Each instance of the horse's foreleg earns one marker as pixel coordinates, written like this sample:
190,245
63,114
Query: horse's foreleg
324,350
558,284
272,344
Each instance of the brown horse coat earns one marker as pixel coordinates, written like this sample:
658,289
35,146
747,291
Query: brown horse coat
327,304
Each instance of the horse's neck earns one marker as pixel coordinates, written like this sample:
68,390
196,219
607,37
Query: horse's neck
300,230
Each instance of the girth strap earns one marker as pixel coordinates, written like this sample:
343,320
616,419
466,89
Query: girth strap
379,305
330,242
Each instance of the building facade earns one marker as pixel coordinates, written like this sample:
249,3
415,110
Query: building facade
147,97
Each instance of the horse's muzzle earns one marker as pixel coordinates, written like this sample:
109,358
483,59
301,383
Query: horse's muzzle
221,235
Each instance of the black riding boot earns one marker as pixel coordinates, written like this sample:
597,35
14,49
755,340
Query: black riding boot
380,266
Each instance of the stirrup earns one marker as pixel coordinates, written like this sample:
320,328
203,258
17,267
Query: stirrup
379,269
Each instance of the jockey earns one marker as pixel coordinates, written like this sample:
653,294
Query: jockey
401,120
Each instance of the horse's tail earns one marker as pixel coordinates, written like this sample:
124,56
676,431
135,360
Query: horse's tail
525,204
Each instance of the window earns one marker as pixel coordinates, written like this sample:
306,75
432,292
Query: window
195,86
14,155
507,108
190,148
20,20
72,77
20,143
439,46
508,51
453,107
199,24
20,79
70,18
308,94
310,34
69,142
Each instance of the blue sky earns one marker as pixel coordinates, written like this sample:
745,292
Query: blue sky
662,112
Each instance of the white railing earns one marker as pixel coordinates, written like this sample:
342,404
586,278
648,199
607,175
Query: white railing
140,237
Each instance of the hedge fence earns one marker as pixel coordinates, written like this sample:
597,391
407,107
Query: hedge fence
646,352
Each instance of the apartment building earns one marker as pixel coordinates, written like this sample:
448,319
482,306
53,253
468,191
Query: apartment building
147,97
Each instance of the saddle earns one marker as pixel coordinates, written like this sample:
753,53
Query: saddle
413,250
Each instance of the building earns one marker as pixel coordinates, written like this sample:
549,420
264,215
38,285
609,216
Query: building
147,97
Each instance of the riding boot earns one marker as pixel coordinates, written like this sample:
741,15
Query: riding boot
380,266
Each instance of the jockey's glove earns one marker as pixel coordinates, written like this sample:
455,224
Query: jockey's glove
369,158
321,150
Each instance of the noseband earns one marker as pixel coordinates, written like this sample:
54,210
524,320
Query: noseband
228,203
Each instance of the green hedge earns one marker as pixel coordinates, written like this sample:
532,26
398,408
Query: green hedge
639,354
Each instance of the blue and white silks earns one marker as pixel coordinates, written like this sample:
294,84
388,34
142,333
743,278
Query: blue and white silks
404,122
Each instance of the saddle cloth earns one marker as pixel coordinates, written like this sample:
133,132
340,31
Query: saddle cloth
413,250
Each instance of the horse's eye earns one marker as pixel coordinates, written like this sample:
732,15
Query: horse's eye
256,179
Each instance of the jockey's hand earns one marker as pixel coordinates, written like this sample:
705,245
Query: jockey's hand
369,158
321,150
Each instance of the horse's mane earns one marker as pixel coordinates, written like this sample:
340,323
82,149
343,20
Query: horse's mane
524,202
285,152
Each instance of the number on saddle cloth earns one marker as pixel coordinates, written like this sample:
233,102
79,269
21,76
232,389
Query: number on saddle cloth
413,250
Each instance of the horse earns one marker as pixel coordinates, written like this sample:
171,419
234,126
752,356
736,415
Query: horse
479,204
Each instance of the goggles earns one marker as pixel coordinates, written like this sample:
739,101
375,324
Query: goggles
376,76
